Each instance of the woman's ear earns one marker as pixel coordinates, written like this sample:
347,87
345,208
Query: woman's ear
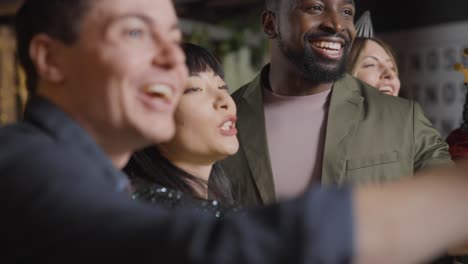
44,52
269,23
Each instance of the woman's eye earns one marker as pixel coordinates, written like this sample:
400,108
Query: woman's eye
192,90
224,87
368,65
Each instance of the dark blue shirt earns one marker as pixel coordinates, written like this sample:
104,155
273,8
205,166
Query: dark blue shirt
63,202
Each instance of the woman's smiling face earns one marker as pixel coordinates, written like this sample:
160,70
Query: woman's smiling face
377,68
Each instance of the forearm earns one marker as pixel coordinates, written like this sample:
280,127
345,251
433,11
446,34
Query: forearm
412,220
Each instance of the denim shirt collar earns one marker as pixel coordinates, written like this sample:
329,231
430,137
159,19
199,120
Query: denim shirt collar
65,131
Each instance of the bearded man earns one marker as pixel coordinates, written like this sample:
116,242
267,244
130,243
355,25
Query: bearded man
303,121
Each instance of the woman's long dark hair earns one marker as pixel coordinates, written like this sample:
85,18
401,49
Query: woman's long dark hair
150,165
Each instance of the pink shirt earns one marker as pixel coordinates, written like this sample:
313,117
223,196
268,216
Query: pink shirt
296,127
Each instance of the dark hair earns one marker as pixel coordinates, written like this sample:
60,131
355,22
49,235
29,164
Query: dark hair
198,59
358,46
272,5
57,18
149,164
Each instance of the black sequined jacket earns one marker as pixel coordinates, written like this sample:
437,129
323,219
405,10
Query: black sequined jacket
169,198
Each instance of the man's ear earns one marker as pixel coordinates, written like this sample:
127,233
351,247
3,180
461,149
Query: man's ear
269,24
44,52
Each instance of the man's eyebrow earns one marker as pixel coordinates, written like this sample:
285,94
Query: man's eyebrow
148,20
109,24
350,2
144,18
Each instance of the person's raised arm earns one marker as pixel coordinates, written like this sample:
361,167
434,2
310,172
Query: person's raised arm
412,220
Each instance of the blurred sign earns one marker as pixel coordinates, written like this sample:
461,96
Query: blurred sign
426,59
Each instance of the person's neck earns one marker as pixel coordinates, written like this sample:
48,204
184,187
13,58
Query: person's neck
200,171
119,157
289,81
117,150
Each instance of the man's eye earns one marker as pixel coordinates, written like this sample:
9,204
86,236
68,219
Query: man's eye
349,12
135,33
314,8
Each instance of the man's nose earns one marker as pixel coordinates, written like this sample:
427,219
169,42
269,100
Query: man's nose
332,23
169,55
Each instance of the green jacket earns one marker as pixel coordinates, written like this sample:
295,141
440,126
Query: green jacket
371,137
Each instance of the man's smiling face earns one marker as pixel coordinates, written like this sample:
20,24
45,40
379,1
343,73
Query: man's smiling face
316,35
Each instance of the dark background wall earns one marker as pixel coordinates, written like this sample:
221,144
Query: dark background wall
388,15
400,15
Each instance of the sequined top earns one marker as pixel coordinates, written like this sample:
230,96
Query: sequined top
170,199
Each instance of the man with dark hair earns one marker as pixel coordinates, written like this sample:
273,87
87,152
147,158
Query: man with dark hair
272,4
59,19
111,89
104,78
304,122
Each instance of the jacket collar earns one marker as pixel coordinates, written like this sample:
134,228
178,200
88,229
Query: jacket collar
345,110
346,105
253,137
54,122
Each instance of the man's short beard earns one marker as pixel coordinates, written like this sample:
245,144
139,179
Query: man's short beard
310,65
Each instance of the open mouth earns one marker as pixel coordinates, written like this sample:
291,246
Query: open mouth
159,91
228,125
386,89
330,49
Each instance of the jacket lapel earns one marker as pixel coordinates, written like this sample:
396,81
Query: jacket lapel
343,118
253,138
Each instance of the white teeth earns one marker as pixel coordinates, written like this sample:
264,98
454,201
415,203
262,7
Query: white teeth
227,125
328,45
159,90
386,89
